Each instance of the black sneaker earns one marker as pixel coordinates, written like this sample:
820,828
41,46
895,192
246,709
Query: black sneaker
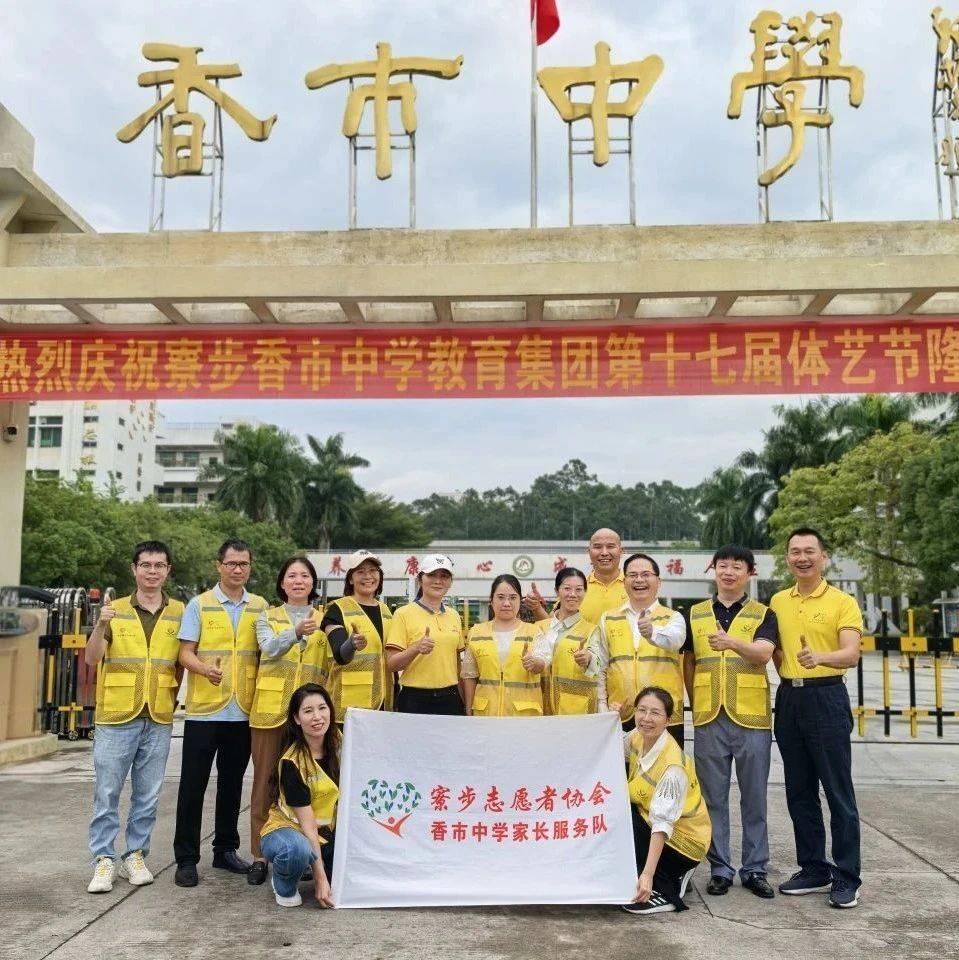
657,903
843,895
759,885
802,882
257,874
186,875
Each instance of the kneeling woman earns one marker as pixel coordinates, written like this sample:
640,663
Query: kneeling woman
298,833
504,658
671,827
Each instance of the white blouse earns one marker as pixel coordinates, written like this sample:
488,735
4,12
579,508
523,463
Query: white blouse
670,795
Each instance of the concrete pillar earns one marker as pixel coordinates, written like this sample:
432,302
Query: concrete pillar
13,465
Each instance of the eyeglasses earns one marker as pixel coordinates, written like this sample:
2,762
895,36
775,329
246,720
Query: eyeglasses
235,564
645,575
653,713
159,567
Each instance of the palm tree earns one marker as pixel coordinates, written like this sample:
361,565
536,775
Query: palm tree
731,502
260,473
858,419
330,493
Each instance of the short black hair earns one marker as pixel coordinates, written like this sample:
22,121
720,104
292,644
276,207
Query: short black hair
568,572
663,696
281,593
732,551
152,546
808,532
240,546
642,556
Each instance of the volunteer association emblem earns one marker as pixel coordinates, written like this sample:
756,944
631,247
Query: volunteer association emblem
390,805
523,565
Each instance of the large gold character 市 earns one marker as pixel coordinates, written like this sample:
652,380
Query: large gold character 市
947,43
787,80
381,91
557,82
183,152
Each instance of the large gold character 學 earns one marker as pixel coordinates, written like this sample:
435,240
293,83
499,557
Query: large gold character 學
381,91
788,81
183,152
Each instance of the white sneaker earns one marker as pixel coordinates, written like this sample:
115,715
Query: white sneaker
103,876
135,870
293,901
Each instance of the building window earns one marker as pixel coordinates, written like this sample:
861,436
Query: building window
119,445
90,443
165,494
139,458
91,418
166,458
191,458
46,474
139,486
117,475
88,474
51,431
213,461
188,495
123,422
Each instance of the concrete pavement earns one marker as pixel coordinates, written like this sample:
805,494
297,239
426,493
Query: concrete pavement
909,907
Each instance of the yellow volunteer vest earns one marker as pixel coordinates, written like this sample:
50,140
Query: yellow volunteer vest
278,677
631,668
504,689
323,795
234,654
133,674
364,681
723,678
569,690
693,830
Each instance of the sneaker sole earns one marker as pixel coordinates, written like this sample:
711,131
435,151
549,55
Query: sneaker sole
101,889
824,888
844,906
669,908
135,883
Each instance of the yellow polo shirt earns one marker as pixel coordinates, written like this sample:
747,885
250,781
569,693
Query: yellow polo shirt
819,618
601,597
440,667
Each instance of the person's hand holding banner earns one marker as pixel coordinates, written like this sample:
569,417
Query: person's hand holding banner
644,887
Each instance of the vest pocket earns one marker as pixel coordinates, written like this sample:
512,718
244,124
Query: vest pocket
751,695
703,693
572,703
269,695
356,688
480,702
166,691
527,708
118,690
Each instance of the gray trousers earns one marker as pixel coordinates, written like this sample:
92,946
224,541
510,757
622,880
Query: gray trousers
719,743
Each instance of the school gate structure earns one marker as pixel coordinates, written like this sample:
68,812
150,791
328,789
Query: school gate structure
581,311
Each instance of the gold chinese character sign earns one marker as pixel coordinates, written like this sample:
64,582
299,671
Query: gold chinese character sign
381,91
183,152
557,82
806,35
945,107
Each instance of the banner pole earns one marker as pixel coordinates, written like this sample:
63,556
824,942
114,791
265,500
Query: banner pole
533,186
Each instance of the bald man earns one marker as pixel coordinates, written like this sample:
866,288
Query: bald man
605,587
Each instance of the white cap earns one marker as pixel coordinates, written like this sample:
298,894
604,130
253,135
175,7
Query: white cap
358,556
436,561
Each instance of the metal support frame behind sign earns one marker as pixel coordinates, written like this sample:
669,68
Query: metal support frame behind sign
367,141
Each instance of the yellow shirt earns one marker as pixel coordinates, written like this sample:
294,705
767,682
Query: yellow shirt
440,667
601,598
818,617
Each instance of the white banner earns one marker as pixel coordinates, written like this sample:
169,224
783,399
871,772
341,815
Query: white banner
474,810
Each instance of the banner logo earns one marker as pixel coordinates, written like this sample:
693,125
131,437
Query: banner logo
388,805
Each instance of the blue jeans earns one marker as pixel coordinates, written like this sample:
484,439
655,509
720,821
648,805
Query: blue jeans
290,854
139,748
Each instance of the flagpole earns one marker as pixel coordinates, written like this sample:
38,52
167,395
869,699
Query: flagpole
533,187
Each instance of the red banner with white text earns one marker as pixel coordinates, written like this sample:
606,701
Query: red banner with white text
854,355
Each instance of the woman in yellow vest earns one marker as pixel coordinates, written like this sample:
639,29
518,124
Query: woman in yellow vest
567,688
425,641
504,658
293,651
298,833
671,828
357,626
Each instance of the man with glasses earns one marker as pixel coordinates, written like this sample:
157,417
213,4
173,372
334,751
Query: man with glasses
218,648
135,643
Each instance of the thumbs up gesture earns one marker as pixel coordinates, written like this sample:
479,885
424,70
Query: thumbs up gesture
359,641
107,613
213,673
531,664
581,655
534,603
806,657
425,644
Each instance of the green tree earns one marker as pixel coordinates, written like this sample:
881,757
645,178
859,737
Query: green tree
859,418
260,473
856,503
730,501
379,521
330,494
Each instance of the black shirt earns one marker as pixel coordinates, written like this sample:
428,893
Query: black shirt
334,627
295,790
767,630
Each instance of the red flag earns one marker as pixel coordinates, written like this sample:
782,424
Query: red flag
547,19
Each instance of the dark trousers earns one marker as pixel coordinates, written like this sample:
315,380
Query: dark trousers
229,743
446,701
812,727
672,866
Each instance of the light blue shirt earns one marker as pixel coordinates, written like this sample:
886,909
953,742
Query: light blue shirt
190,633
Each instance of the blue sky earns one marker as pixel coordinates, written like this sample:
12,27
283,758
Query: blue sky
68,72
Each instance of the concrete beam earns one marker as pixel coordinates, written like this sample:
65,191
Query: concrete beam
352,311
171,312
262,311
80,311
534,309
819,303
914,302
723,304
443,309
626,307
